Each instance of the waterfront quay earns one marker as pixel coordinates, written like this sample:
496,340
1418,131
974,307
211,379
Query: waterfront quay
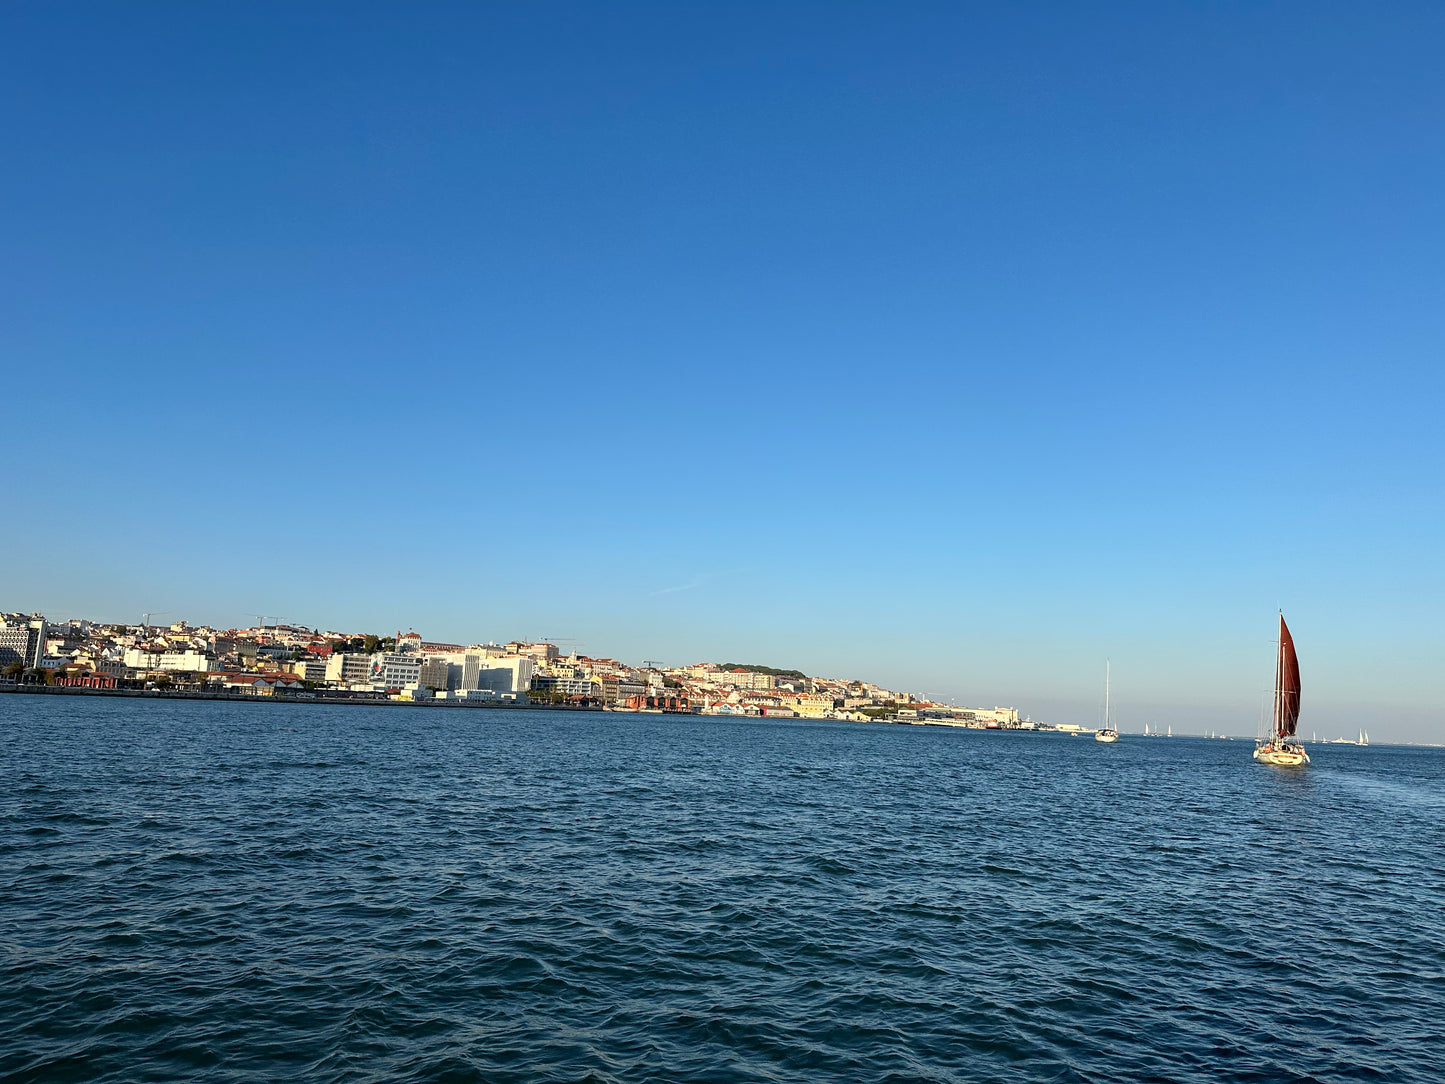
303,697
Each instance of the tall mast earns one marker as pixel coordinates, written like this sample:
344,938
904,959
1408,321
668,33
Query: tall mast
1278,679
1106,695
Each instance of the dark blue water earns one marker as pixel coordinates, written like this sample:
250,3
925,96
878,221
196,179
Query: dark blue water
233,892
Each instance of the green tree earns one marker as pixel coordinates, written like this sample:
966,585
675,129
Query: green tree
14,670
370,643
757,669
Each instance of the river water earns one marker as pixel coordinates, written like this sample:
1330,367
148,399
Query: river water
261,892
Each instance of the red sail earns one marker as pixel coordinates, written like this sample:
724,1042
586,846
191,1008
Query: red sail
1287,687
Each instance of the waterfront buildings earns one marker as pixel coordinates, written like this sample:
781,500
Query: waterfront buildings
22,639
275,658
395,670
311,669
194,661
811,705
566,686
507,674
347,670
434,673
745,679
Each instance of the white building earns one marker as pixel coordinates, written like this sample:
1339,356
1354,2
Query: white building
450,670
568,686
22,639
506,675
393,670
137,659
743,679
348,670
478,667
1001,716
310,669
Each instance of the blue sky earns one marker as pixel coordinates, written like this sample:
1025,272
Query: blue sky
956,347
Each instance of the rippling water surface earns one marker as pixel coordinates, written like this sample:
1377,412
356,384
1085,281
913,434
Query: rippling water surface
234,892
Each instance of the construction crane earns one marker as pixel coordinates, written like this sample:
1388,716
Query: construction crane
562,643
262,617
145,619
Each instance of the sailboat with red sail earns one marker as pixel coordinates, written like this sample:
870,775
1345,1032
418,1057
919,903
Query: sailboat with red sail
1281,748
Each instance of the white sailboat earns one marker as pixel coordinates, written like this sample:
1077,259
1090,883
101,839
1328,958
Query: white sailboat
1108,733
1282,749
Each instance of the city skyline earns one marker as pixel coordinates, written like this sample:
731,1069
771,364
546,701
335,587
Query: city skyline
951,345
1232,713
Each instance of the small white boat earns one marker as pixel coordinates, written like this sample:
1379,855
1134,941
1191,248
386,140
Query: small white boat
1282,749
1108,732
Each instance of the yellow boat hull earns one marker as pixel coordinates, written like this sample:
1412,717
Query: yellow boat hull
1286,756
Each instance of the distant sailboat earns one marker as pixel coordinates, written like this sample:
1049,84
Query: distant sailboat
1109,733
1282,749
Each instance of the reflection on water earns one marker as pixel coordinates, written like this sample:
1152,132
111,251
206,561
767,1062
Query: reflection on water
1419,794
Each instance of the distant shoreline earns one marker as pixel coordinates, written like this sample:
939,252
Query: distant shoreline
505,705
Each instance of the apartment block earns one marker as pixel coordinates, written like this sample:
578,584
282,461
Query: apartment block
22,639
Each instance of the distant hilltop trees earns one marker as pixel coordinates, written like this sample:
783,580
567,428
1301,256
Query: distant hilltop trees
368,644
756,669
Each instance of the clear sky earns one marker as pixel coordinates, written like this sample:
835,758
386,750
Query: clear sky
953,346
